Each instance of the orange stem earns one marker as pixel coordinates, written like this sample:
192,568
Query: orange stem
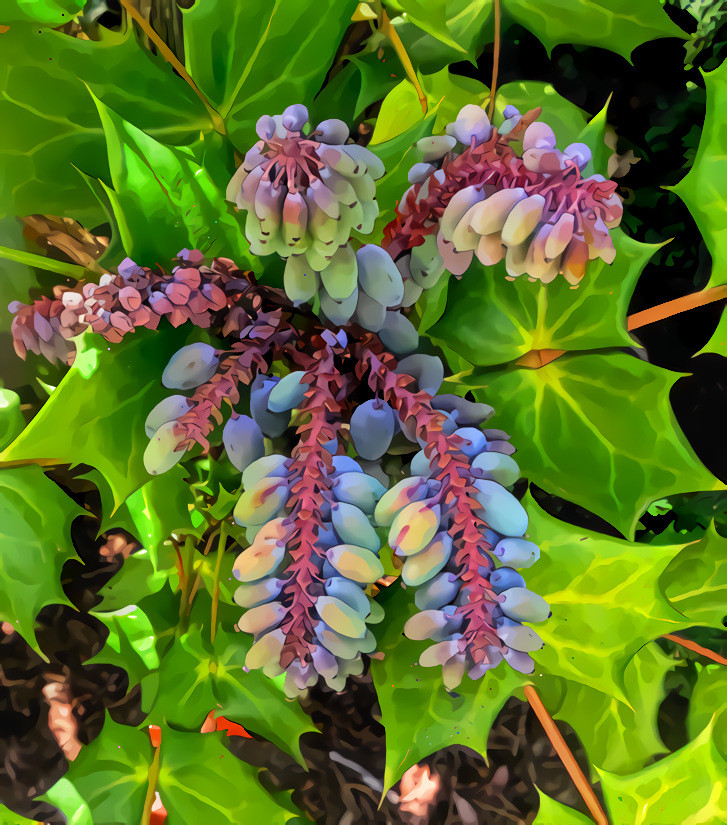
217,122
666,310
495,61
703,651
566,757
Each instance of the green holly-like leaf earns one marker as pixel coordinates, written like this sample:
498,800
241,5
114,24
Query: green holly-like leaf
618,26
605,602
551,811
201,781
65,796
110,776
686,787
364,79
419,714
35,519
445,92
256,58
703,189
184,695
718,342
216,572
196,675
432,17
436,34
616,408
618,737
162,506
44,96
707,699
255,701
51,13
137,578
696,581
163,199
96,414
490,320
11,419
131,642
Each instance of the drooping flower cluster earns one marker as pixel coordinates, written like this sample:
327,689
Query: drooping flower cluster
311,517
352,398
473,194
450,520
304,195
136,297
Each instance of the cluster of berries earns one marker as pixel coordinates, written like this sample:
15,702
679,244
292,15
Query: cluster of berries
474,195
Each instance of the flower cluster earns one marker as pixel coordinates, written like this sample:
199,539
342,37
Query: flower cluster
312,517
304,195
473,194
136,297
313,548
450,520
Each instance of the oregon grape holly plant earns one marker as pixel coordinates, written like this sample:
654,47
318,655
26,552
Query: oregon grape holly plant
337,419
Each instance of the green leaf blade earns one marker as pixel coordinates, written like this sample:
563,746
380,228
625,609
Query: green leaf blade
616,408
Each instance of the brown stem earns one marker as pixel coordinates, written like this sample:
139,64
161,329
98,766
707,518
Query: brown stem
703,651
666,310
566,757
539,358
151,788
495,61
389,31
180,566
217,123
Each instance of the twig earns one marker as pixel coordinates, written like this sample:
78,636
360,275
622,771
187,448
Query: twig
495,61
666,310
180,566
566,757
703,651
78,273
389,31
539,358
217,123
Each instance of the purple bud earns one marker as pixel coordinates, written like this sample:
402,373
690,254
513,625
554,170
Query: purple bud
294,117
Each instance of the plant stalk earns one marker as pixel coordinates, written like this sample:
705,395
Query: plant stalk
389,31
151,788
74,271
566,757
495,61
216,592
703,651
